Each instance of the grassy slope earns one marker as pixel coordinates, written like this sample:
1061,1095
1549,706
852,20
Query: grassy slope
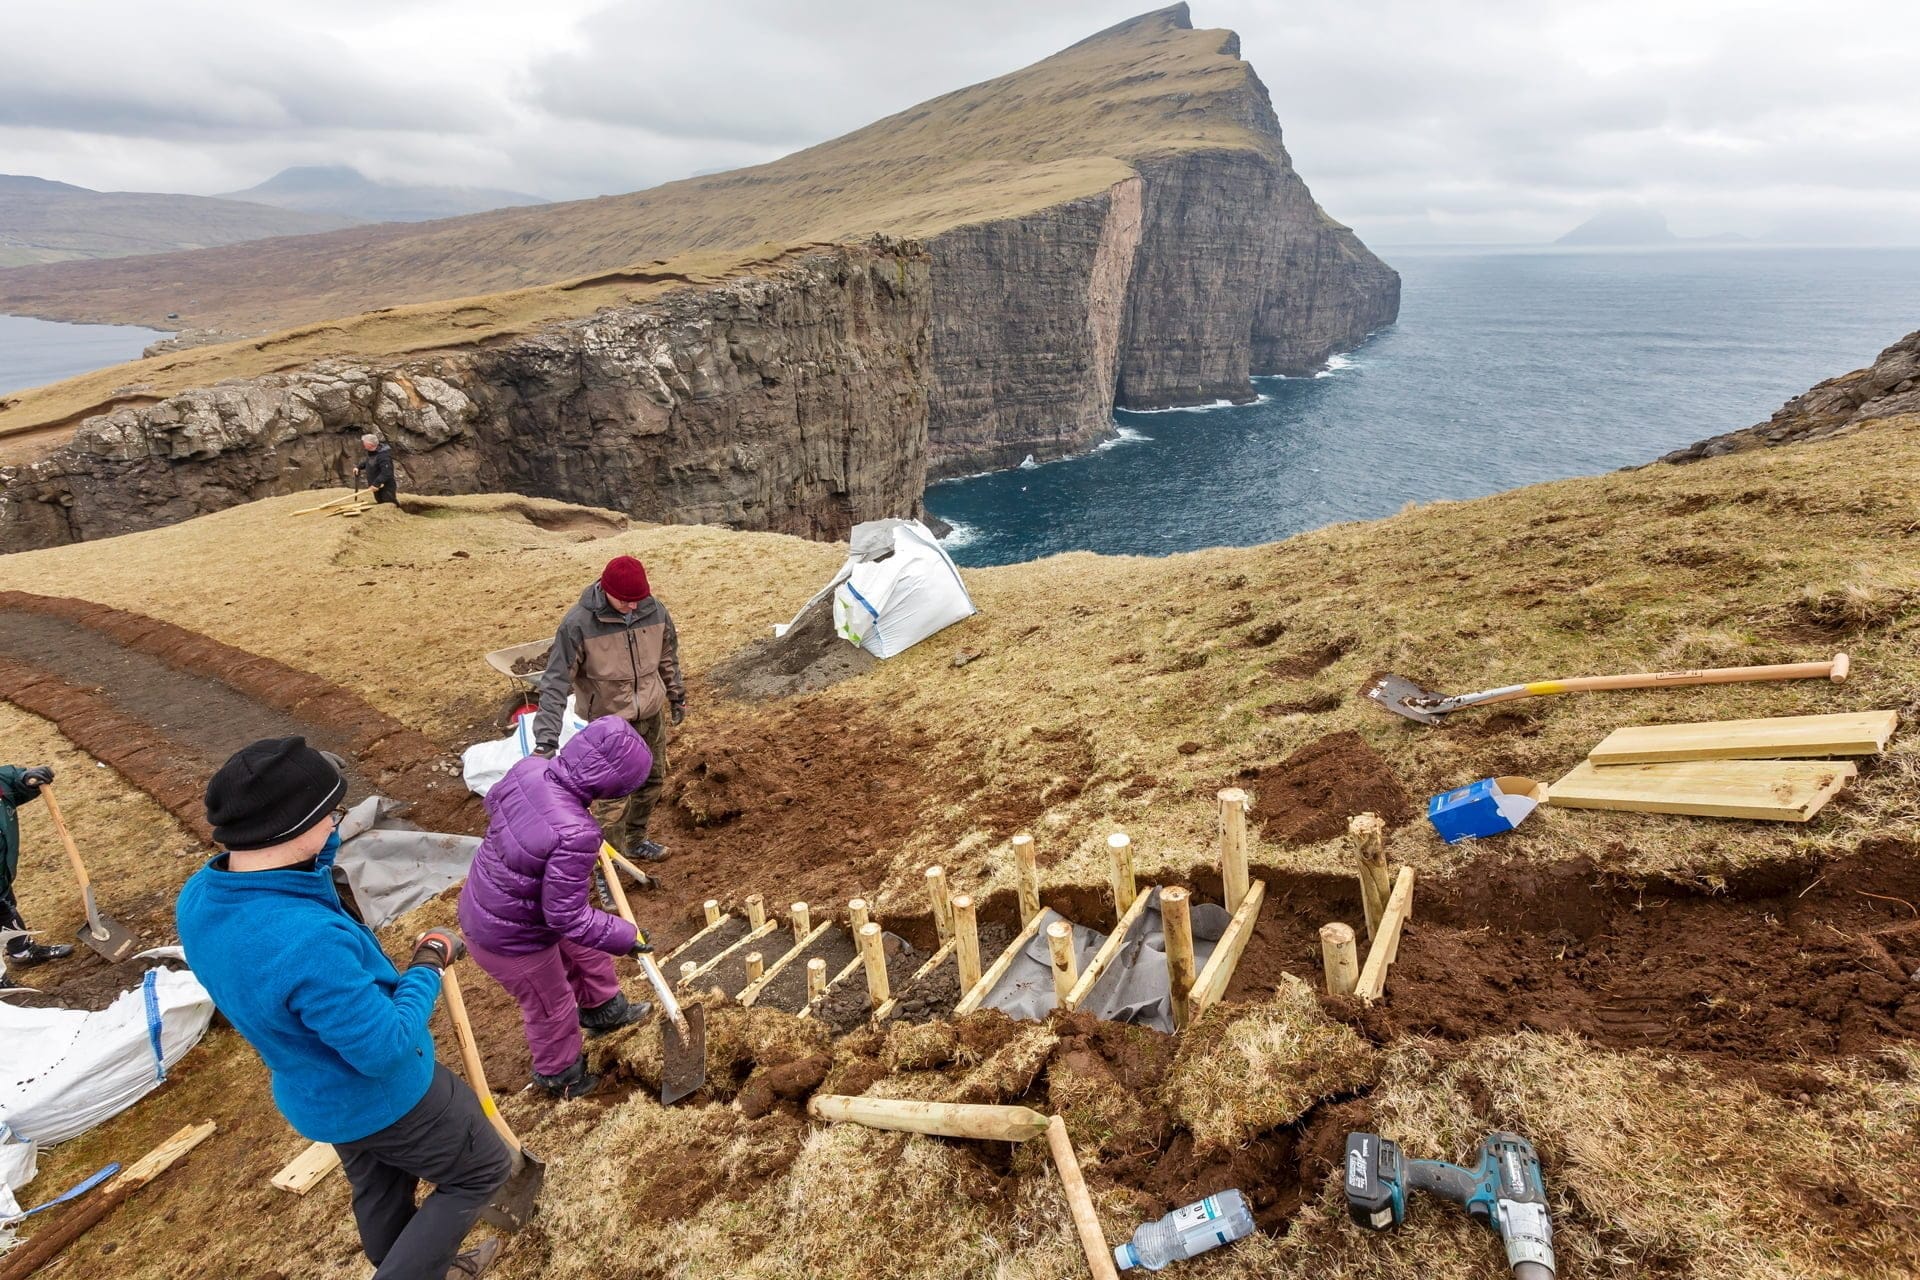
1061,129
1657,1164
42,225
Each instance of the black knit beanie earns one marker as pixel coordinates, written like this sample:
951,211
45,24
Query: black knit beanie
271,791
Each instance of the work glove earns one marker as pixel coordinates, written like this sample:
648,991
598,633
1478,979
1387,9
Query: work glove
641,947
439,948
678,713
39,776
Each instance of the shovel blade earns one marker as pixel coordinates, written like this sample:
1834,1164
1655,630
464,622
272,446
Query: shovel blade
1403,697
114,940
513,1204
684,1069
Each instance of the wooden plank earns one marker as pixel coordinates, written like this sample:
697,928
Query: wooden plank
1218,972
1854,733
745,944
721,923
998,969
853,967
304,1172
885,1011
1110,949
1386,943
1777,790
752,991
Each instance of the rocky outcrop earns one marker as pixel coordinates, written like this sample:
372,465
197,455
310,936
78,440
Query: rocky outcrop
1888,387
794,401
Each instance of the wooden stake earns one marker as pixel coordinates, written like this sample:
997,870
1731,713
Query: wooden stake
712,909
1120,873
1027,875
944,1119
756,911
756,967
1386,944
816,979
1177,926
1233,846
875,959
1093,1241
47,1243
688,970
750,993
1066,967
937,894
802,921
856,914
966,933
1366,834
1339,958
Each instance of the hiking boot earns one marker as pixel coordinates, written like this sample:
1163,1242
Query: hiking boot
40,953
614,1014
647,851
474,1261
574,1082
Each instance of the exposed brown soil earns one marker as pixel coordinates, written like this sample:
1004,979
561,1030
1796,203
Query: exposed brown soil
532,666
1310,795
788,990
809,657
847,1006
1310,662
713,1164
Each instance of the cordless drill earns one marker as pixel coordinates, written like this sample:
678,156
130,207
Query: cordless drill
1504,1191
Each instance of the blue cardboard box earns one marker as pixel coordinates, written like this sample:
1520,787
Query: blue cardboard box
1484,808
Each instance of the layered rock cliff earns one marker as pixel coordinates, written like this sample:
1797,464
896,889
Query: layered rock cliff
1887,388
794,401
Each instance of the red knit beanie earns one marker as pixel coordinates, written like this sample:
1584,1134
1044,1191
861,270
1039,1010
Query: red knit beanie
625,578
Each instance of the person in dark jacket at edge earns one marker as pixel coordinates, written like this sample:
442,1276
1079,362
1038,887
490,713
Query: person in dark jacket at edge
377,466
342,1031
17,787
618,654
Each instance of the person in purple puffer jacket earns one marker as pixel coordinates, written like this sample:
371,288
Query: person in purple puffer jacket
527,909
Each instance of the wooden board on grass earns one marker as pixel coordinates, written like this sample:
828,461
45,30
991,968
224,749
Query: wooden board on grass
1776,790
1854,733
305,1170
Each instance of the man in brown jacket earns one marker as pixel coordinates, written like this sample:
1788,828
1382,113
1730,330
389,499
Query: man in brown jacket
618,654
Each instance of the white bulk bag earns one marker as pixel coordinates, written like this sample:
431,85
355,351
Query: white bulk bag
898,587
485,763
63,1071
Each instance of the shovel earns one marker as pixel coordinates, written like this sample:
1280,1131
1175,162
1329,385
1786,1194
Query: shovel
1405,698
683,1033
101,931
513,1204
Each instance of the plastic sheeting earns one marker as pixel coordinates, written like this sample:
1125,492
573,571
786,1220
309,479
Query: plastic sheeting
485,763
63,1071
393,866
1134,987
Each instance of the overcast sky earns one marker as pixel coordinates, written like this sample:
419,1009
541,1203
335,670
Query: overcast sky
1412,120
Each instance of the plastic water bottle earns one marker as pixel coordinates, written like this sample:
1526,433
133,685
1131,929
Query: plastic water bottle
1185,1233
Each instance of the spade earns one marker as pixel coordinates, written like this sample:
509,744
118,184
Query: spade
101,931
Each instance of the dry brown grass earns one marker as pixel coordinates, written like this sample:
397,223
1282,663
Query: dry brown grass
1244,1069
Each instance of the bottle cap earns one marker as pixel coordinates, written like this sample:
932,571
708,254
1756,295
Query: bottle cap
1124,1258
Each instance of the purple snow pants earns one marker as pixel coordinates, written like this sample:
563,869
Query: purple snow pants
552,986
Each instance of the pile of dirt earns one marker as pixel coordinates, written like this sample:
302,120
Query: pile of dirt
847,1006
1309,796
534,665
935,995
809,657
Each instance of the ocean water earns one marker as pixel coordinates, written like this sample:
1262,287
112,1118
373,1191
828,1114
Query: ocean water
37,351
1505,368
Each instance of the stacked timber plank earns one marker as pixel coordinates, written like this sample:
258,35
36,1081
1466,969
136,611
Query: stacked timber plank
1776,769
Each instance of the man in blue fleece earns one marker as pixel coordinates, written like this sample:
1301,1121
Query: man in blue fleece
343,1032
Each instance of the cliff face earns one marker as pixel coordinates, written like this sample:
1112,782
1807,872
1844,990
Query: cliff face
1887,388
796,402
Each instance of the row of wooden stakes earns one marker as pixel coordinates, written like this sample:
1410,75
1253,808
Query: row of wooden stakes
1191,987
1387,902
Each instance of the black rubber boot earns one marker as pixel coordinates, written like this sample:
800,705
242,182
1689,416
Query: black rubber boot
613,1015
574,1082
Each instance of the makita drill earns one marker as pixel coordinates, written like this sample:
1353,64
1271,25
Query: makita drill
1503,1191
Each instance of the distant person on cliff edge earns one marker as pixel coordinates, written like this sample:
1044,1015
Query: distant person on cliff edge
342,1031
617,653
377,466
17,786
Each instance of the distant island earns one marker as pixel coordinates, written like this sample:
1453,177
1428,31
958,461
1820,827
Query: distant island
1624,227
43,221
345,192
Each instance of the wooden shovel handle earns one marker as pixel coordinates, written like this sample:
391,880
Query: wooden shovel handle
66,837
470,1055
1836,669
662,992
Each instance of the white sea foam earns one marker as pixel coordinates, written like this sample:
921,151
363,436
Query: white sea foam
1120,436
960,535
1335,363
1189,408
